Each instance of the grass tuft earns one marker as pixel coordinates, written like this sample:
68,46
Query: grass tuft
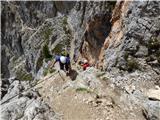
81,89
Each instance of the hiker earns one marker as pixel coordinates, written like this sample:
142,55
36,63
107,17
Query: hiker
64,62
85,64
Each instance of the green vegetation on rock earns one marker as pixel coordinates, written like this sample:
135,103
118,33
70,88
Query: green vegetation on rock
65,37
24,76
126,54
64,22
58,48
27,77
105,78
132,64
81,89
46,33
46,51
45,72
154,50
153,45
48,70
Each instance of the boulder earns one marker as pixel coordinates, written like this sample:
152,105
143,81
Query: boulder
154,94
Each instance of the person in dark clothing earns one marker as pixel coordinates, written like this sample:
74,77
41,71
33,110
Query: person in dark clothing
64,62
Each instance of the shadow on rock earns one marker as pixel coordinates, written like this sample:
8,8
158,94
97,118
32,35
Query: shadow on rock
73,74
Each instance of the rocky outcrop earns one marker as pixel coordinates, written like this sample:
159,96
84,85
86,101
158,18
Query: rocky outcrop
23,102
97,28
26,30
4,87
134,36
124,36
109,41
109,95
53,26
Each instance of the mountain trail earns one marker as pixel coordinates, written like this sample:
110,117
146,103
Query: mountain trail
86,98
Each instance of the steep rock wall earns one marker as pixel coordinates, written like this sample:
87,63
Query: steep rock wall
25,30
97,28
29,29
133,42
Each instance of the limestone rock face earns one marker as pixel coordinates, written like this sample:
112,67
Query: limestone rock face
134,35
4,87
25,31
97,28
122,38
29,29
21,102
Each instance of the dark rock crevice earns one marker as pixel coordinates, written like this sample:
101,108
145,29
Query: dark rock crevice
97,29
84,4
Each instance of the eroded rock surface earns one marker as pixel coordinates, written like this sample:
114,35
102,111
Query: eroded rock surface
120,38
134,36
23,102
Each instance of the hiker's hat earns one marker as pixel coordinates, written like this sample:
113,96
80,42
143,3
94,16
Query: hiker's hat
63,59
85,61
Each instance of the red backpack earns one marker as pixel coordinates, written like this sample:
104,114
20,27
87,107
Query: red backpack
85,66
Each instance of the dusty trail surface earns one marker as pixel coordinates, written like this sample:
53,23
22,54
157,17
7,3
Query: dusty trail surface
88,97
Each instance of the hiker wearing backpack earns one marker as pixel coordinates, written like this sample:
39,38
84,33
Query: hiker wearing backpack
64,62
85,64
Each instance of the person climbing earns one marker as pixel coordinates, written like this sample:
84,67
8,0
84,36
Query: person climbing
85,64
64,62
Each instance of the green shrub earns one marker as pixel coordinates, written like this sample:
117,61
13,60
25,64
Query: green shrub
46,52
153,45
105,78
39,62
48,70
82,90
46,33
158,53
52,70
23,75
126,54
27,77
132,65
45,72
154,50
64,21
58,48
112,2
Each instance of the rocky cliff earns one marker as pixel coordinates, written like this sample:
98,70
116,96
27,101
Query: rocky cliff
32,33
86,29
121,38
133,42
28,27
22,102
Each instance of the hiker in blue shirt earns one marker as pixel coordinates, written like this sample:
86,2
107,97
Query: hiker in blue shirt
64,62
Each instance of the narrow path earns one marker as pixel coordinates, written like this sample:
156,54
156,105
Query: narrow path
70,104
65,102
